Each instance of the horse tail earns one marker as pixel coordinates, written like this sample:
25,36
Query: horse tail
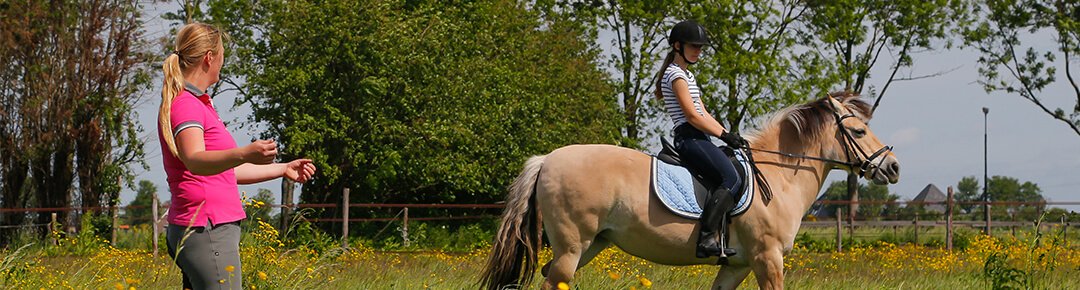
519,234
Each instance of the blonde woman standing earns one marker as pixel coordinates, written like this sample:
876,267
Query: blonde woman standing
204,164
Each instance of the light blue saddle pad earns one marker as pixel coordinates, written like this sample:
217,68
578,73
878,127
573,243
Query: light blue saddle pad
674,186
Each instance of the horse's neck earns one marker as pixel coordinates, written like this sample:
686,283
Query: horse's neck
795,181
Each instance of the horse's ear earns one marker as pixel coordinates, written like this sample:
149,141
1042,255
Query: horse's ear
834,104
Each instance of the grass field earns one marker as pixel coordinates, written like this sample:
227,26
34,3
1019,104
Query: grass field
1025,261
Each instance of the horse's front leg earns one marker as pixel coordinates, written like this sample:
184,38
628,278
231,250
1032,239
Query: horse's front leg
730,277
768,268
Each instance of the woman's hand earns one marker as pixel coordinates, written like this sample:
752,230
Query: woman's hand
300,170
260,152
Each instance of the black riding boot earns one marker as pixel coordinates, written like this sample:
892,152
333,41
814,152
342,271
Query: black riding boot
714,219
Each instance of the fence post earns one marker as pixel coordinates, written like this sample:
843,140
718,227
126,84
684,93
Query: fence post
405,227
154,224
916,223
286,202
948,218
986,207
345,218
839,230
115,223
1013,226
52,228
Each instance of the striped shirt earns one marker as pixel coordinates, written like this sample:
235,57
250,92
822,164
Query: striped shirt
671,103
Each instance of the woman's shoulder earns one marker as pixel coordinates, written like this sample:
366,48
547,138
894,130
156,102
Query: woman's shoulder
184,94
185,100
673,71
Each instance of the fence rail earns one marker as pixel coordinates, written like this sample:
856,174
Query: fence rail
403,216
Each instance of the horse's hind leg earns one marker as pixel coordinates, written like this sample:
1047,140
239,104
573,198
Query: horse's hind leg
730,277
598,245
571,240
565,255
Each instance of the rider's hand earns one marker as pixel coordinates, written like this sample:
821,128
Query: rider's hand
260,152
733,140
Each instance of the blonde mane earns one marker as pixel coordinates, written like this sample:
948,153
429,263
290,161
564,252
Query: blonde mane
811,118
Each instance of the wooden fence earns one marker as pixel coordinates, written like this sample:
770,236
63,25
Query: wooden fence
403,216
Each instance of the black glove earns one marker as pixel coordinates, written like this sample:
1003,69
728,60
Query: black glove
734,141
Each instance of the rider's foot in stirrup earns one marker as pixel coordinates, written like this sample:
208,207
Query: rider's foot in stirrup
711,248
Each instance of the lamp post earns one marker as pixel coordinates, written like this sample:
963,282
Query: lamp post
986,182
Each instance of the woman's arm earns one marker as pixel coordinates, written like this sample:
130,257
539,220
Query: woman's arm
299,170
191,147
704,122
248,173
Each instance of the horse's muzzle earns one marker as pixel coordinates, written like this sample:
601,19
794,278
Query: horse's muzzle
887,172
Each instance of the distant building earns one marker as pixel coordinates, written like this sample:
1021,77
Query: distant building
930,194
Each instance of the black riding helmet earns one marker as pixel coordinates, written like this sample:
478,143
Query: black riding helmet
687,32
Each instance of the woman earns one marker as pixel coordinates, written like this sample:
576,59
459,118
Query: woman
204,165
678,89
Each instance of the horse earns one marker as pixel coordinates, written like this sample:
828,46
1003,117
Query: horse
588,197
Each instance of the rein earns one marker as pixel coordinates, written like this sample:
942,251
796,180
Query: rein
860,166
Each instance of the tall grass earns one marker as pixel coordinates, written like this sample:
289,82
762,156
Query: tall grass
451,258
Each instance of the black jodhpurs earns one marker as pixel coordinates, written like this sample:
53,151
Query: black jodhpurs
702,157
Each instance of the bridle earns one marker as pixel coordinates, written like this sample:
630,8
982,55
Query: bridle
859,166
857,159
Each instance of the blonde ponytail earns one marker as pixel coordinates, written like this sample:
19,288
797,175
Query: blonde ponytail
174,84
192,43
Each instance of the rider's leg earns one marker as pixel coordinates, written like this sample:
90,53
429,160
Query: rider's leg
704,158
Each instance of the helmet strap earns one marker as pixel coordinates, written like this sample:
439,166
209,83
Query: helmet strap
684,57
681,54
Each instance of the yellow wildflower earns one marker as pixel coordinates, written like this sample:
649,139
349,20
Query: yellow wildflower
563,286
613,275
230,268
262,275
645,282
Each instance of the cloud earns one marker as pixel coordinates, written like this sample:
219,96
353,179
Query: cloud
904,136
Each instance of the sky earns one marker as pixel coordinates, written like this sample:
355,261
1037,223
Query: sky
936,125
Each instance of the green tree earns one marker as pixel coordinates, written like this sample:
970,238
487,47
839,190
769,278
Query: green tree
1009,189
419,101
968,190
67,134
144,200
1010,66
640,40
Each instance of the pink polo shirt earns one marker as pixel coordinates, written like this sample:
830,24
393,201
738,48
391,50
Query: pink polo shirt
198,198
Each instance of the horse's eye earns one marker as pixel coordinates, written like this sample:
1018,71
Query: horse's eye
858,133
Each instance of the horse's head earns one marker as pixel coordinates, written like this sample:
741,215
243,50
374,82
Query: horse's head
865,154
840,123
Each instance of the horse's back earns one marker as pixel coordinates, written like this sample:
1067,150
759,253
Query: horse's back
593,169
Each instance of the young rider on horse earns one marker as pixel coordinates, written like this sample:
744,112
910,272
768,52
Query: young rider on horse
678,89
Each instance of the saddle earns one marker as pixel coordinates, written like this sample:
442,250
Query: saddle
683,191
